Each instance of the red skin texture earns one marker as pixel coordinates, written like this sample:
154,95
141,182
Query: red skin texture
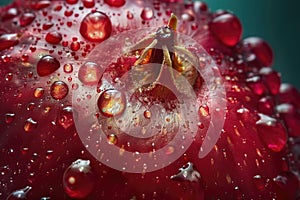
240,166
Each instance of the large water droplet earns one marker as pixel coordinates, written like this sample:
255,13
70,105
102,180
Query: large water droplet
59,90
147,13
78,179
26,19
271,132
96,27
111,103
53,37
8,40
259,182
89,73
115,3
227,28
47,65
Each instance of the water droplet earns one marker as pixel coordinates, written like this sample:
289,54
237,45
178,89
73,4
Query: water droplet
68,68
8,40
38,92
147,114
9,118
30,106
78,179
47,65
260,49
53,37
204,110
71,1
111,103
89,73
88,3
59,90
266,105
272,79
30,125
26,19
147,13
65,117
9,76
115,3
129,15
288,182
227,28
256,84
75,46
96,27
271,132
112,139
49,154
19,194
259,182
45,198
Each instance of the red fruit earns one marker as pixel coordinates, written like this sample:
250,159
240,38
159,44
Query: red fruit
122,100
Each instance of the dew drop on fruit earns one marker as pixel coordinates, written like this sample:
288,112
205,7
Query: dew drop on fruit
266,105
30,125
256,84
47,65
259,182
9,118
68,68
271,79
288,182
112,139
9,76
38,92
26,19
75,46
147,114
204,110
78,179
53,37
65,117
89,73
115,3
19,194
147,13
271,132
45,198
129,15
262,52
59,90
111,103
96,27
227,28
88,3
71,1
8,40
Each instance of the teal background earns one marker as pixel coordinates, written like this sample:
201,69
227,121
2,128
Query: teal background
275,21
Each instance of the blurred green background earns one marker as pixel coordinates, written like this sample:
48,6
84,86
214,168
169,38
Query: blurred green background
275,21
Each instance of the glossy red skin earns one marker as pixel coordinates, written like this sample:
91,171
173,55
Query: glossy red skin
226,172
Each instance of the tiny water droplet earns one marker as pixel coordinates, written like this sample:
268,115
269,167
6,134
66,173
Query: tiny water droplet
9,118
204,110
147,114
112,139
68,68
19,194
38,92
65,117
30,125
26,19
53,37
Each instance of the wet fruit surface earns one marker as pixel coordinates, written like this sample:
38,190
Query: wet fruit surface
129,99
